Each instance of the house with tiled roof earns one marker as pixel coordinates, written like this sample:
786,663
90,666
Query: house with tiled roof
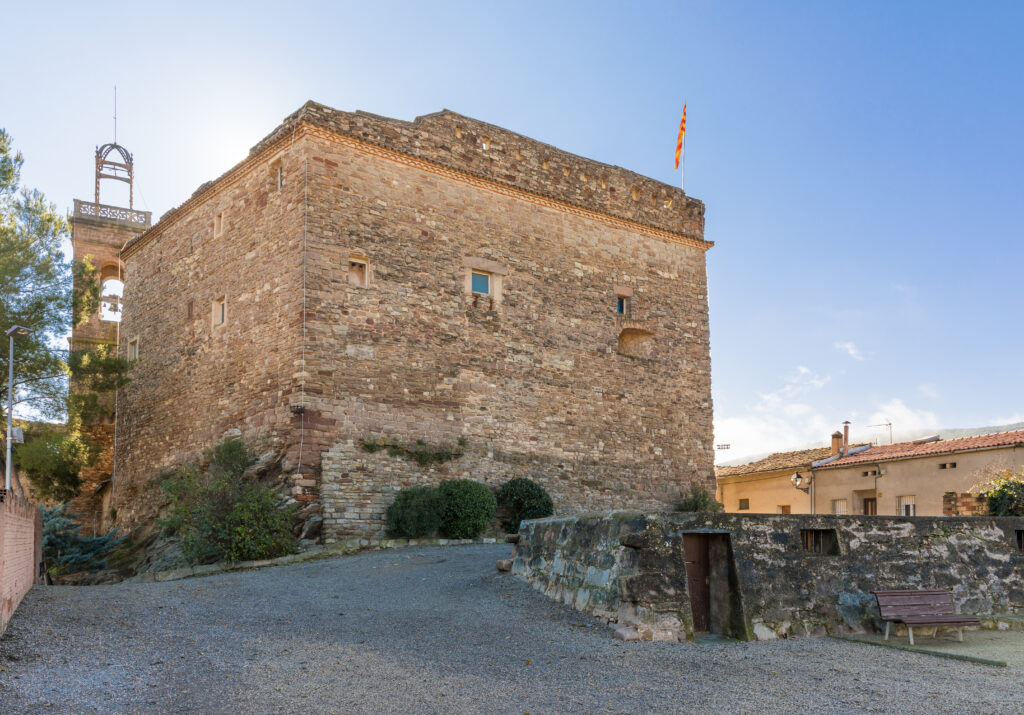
924,477
765,487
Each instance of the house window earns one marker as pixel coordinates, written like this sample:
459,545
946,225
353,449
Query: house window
481,283
133,349
744,504
870,473
783,509
220,312
622,305
218,224
357,273
947,465
820,541
905,506
839,506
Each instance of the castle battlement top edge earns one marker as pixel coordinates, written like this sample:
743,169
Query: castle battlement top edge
486,151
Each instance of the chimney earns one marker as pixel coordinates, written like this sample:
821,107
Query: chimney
846,438
837,442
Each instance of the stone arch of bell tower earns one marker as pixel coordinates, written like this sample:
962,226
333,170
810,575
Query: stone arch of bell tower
98,233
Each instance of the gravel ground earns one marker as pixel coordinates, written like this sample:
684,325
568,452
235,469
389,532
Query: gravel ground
433,630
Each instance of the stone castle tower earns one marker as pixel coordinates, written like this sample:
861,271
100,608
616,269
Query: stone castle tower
443,284
98,232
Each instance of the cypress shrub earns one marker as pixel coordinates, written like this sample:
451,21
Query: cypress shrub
415,512
468,508
524,499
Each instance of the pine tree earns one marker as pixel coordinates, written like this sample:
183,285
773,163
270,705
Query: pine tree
66,550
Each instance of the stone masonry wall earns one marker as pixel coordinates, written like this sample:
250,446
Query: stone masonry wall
535,379
541,378
196,378
629,568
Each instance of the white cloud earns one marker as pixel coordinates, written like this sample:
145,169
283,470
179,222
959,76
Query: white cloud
779,420
850,349
904,419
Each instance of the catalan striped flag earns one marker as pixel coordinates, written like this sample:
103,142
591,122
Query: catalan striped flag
682,136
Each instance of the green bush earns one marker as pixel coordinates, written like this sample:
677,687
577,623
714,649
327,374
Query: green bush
468,508
221,516
698,499
524,499
1004,495
415,512
65,550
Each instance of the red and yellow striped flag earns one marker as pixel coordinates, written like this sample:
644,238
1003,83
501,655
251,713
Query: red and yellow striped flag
682,132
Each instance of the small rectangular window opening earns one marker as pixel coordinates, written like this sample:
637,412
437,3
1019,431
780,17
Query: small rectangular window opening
1020,539
481,283
906,506
189,309
839,506
947,465
622,305
744,504
220,312
820,541
784,509
280,176
218,224
133,349
357,273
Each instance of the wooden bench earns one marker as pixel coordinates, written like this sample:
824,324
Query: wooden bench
923,609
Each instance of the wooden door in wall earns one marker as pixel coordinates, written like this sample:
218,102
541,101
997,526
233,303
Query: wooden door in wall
698,580
870,506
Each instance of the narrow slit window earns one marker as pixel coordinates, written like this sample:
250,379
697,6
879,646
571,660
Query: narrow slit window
622,305
357,273
481,283
1020,539
220,312
218,224
280,176
133,349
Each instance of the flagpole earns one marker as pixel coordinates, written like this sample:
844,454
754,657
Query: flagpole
682,166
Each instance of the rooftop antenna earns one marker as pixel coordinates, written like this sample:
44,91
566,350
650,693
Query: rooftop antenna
115,114
885,424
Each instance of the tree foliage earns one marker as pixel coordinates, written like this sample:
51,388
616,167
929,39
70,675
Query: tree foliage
65,550
221,515
35,289
52,460
1004,495
699,498
38,291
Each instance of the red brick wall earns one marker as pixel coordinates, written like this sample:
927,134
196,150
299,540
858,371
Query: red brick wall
21,550
963,504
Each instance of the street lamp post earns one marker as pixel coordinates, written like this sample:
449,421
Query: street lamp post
15,331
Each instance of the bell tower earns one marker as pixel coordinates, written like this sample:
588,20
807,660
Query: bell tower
98,233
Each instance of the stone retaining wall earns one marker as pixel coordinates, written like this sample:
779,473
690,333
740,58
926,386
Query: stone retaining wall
629,568
21,551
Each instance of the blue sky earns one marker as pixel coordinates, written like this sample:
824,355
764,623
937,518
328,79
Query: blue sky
861,162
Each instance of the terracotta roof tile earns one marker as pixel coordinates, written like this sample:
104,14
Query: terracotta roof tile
778,460
904,450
